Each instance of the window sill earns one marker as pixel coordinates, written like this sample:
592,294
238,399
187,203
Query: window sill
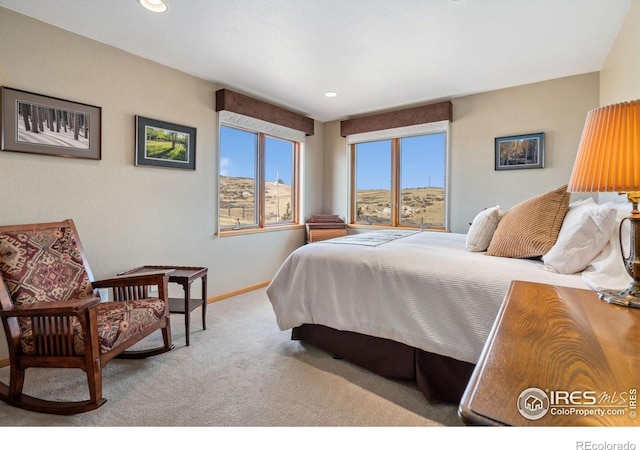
245,231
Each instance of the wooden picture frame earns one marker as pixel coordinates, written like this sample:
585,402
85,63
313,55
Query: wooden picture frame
165,144
524,151
35,123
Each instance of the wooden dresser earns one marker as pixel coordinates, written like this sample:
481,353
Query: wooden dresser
557,356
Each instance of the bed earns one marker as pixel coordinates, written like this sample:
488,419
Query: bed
406,304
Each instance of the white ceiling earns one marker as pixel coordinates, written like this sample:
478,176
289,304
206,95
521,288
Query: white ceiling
377,54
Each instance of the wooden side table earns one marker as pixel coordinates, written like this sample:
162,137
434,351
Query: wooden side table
184,276
557,356
324,226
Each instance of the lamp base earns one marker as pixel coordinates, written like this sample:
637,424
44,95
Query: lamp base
629,297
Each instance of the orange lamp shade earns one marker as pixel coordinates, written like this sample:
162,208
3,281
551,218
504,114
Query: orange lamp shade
608,158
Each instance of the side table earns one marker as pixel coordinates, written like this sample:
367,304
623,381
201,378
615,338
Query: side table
557,356
184,276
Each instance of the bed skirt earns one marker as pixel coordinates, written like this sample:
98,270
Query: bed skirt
439,378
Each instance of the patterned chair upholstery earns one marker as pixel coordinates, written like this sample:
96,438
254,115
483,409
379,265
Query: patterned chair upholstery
53,316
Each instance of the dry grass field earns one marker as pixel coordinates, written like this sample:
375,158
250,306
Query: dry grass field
237,201
420,206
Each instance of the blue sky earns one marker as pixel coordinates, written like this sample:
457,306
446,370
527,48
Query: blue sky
237,156
422,166
422,163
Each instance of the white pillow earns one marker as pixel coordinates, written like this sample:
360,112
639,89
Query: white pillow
482,229
607,270
585,231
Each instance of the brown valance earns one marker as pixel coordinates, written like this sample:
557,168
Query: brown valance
435,112
241,104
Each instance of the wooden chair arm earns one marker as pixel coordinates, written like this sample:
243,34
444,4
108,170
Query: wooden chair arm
135,279
68,307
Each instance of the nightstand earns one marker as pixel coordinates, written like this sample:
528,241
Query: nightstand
556,356
324,226
184,276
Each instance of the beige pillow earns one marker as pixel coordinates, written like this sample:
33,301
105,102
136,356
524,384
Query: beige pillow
482,229
586,229
530,228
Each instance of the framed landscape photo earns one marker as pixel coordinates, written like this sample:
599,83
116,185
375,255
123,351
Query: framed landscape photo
165,144
525,151
34,123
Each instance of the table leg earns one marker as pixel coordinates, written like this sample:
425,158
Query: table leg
187,312
204,302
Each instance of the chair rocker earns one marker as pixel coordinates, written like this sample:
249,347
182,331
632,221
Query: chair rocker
53,318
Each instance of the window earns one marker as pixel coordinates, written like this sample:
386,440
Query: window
258,179
400,181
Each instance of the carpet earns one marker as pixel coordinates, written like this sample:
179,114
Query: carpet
240,372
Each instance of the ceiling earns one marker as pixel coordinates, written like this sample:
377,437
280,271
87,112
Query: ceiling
376,54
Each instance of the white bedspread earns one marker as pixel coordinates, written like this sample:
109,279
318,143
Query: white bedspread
424,290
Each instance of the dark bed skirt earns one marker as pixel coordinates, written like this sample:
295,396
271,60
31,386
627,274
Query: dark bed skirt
440,378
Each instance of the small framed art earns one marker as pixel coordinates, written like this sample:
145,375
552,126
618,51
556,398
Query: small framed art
165,144
525,151
34,123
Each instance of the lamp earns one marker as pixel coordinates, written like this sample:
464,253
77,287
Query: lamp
608,160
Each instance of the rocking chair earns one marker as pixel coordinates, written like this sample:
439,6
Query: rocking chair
53,317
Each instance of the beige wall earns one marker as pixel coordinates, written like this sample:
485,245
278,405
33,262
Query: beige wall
620,74
556,107
335,171
128,215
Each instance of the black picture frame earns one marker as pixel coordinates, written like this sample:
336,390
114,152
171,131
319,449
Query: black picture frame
165,144
44,125
524,151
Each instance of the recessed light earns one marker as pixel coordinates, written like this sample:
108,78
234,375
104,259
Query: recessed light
154,5
331,94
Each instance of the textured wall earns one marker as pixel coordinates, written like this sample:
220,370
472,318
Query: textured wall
127,215
555,107
620,74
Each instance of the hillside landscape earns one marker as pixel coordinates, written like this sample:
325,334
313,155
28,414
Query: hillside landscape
237,201
420,206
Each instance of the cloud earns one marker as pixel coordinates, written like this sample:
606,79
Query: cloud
224,166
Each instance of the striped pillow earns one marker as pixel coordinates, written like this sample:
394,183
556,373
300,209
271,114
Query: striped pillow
482,229
531,228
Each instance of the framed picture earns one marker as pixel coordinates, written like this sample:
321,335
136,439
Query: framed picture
165,144
34,123
525,151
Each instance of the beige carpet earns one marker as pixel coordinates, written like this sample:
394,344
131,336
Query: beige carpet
241,371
